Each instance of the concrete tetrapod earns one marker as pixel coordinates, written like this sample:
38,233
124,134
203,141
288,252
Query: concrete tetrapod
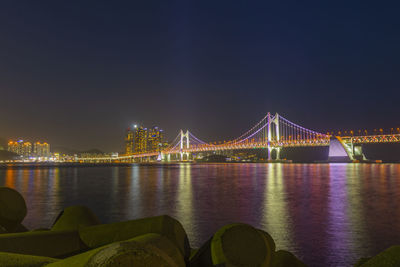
269,238
17,229
71,218
42,243
283,258
150,250
20,260
387,258
235,245
2,230
103,234
12,209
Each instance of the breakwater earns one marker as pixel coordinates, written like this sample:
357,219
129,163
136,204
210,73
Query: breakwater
77,238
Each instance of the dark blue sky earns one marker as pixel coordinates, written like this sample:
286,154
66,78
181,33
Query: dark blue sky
77,73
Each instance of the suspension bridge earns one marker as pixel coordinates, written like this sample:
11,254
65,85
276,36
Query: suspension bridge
272,132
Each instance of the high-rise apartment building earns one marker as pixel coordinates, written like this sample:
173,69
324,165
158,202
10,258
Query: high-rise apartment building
140,139
14,146
26,149
41,150
154,139
129,141
20,147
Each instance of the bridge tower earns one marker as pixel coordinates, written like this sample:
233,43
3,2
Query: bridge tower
184,145
275,122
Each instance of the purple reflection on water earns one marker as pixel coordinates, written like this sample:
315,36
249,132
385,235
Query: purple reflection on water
339,229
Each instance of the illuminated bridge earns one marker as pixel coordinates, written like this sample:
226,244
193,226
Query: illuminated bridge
273,132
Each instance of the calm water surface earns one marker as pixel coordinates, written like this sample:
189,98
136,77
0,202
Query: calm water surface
327,214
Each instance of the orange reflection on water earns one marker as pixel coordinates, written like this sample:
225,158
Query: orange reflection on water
10,176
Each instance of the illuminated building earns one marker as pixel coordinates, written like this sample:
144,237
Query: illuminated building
13,146
41,150
154,139
26,149
140,139
20,147
129,142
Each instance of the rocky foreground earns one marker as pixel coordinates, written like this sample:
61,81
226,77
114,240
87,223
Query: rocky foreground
77,238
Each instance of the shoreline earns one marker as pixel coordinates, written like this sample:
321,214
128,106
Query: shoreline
123,164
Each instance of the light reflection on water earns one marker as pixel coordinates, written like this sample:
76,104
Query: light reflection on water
275,212
327,214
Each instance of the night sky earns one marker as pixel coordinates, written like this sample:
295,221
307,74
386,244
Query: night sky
78,73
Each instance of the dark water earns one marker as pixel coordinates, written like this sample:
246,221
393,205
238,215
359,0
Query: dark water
327,214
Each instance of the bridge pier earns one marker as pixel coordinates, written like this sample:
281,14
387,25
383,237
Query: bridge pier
269,150
277,151
357,152
340,150
184,155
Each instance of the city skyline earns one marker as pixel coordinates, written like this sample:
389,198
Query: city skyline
82,73
124,149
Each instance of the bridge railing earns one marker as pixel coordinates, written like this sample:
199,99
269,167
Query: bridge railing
381,138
